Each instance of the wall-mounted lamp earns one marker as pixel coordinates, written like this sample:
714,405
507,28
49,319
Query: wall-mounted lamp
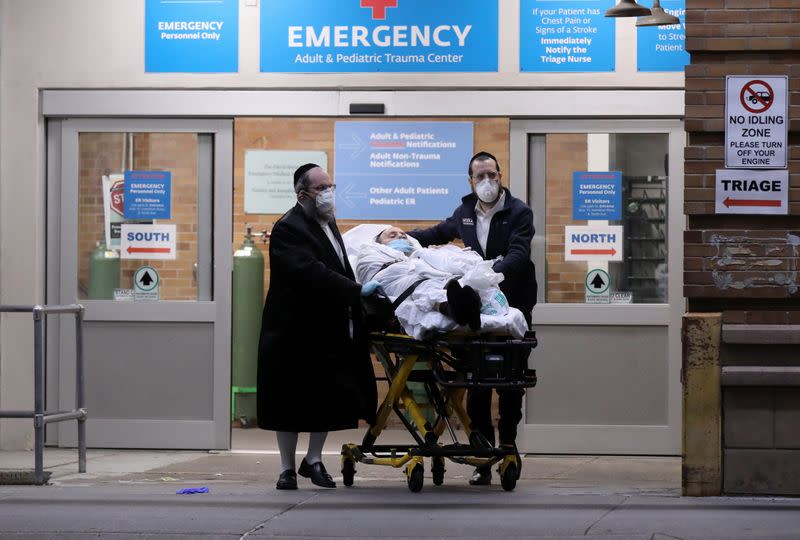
659,17
628,8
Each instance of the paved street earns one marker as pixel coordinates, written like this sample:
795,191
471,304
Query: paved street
132,494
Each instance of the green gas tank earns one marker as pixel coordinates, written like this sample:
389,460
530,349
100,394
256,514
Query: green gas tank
103,272
247,305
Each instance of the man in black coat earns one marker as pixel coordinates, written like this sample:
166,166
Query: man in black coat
314,370
497,226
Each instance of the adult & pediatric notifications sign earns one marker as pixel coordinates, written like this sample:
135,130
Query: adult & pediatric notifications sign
662,48
378,35
756,122
566,36
401,170
191,36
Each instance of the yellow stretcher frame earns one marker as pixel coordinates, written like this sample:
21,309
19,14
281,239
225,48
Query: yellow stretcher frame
399,354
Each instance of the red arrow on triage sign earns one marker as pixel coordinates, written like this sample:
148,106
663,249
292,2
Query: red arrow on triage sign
149,250
750,202
611,251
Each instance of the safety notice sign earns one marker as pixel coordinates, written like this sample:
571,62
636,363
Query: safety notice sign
752,192
597,285
756,122
145,284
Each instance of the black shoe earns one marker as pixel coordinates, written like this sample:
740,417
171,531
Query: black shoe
287,480
454,302
473,302
481,477
317,473
464,304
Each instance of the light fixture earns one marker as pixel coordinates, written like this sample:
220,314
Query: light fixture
659,17
628,8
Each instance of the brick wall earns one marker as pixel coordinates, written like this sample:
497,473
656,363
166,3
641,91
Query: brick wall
736,261
745,266
566,153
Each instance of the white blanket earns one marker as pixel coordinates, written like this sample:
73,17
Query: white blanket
419,314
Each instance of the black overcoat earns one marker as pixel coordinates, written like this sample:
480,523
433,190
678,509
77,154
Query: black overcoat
311,375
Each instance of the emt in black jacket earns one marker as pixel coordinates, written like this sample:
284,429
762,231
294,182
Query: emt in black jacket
496,225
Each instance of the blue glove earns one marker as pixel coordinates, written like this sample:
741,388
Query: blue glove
370,287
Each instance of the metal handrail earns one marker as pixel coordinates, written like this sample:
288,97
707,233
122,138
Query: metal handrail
41,417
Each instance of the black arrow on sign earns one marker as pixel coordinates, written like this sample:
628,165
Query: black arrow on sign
598,282
147,280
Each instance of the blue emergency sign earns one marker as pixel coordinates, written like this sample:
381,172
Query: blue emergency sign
191,36
148,195
566,36
401,170
662,48
597,195
321,36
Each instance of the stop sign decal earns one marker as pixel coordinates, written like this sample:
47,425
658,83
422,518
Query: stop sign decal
118,197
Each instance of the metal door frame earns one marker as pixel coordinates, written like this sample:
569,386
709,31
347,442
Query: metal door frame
663,439
216,136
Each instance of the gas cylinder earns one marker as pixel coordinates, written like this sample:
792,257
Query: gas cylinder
247,304
103,272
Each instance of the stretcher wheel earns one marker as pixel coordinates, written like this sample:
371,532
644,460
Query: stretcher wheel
509,477
348,471
416,479
437,470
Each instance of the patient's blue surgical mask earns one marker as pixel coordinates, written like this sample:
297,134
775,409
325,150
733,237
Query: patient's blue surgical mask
401,244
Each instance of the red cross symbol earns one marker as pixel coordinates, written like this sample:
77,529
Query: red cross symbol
378,7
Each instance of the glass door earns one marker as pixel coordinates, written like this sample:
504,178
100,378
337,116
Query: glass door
143,241
607,202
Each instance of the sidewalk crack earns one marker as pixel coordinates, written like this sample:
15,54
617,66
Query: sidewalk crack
264,523
623,501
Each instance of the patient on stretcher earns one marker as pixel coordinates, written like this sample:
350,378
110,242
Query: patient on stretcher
455,287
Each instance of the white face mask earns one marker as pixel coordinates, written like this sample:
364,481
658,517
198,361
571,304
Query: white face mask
326,203
487,190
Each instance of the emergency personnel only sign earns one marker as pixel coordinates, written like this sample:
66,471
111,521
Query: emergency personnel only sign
752,192
148,241
593,243
756,122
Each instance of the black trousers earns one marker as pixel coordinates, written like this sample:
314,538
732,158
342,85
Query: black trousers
479,409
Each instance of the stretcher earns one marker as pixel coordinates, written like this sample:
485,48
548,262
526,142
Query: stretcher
451,364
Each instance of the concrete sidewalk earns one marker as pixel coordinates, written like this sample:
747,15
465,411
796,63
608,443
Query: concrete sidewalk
132,494
254,461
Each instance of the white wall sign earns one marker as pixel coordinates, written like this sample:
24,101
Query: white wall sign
756,122
752,192
148,241
268,185
593,243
